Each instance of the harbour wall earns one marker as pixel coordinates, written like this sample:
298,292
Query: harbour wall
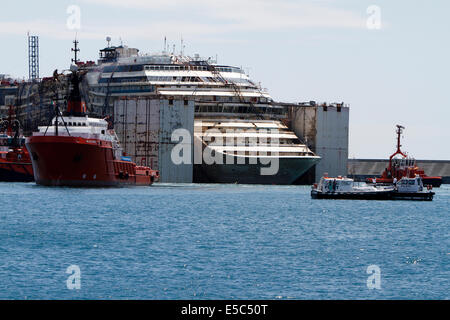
360,169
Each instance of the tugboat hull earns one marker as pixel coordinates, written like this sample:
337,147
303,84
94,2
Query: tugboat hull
79,162
16,172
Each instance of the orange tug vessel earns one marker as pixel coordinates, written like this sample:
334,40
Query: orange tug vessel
15,162
403,167
77,150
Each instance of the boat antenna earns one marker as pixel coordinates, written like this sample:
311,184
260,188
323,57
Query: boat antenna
75,51
165,43
399,132
182,46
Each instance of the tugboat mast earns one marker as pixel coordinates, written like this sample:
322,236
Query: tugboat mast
399,151
75,51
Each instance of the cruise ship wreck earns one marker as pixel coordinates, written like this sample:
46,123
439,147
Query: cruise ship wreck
234,132
228,107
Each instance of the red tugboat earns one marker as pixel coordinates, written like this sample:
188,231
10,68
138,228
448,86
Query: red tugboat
403,167
15,162
77,150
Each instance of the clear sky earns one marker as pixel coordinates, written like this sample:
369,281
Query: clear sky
319,50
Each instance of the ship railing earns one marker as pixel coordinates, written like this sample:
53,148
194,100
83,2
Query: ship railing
261,148
72,134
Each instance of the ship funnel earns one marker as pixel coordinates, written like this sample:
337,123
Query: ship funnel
75,105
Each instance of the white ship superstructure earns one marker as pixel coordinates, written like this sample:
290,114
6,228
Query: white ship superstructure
226,99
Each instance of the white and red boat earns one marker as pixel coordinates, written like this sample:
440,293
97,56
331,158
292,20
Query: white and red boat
77,150
15,162
401,165
346,188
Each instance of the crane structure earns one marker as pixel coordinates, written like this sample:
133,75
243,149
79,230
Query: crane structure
33,57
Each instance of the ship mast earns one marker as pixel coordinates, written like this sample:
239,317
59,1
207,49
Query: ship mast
75,50
399,151
75,104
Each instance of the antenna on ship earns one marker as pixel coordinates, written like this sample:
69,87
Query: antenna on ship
108,39
182,46
75,51
165,44
399,132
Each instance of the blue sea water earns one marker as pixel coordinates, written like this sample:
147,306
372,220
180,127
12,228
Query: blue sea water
192,241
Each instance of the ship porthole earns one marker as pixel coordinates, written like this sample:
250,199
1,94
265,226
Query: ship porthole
95,176
84,175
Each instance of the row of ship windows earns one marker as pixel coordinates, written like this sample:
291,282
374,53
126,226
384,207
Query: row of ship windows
170,79
411,182
71,124
197,79
77,124
185,79
126,89
151,78
128,68
131,89
238,109
194,68
267,153
123,80
215,108
253,141
134,68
